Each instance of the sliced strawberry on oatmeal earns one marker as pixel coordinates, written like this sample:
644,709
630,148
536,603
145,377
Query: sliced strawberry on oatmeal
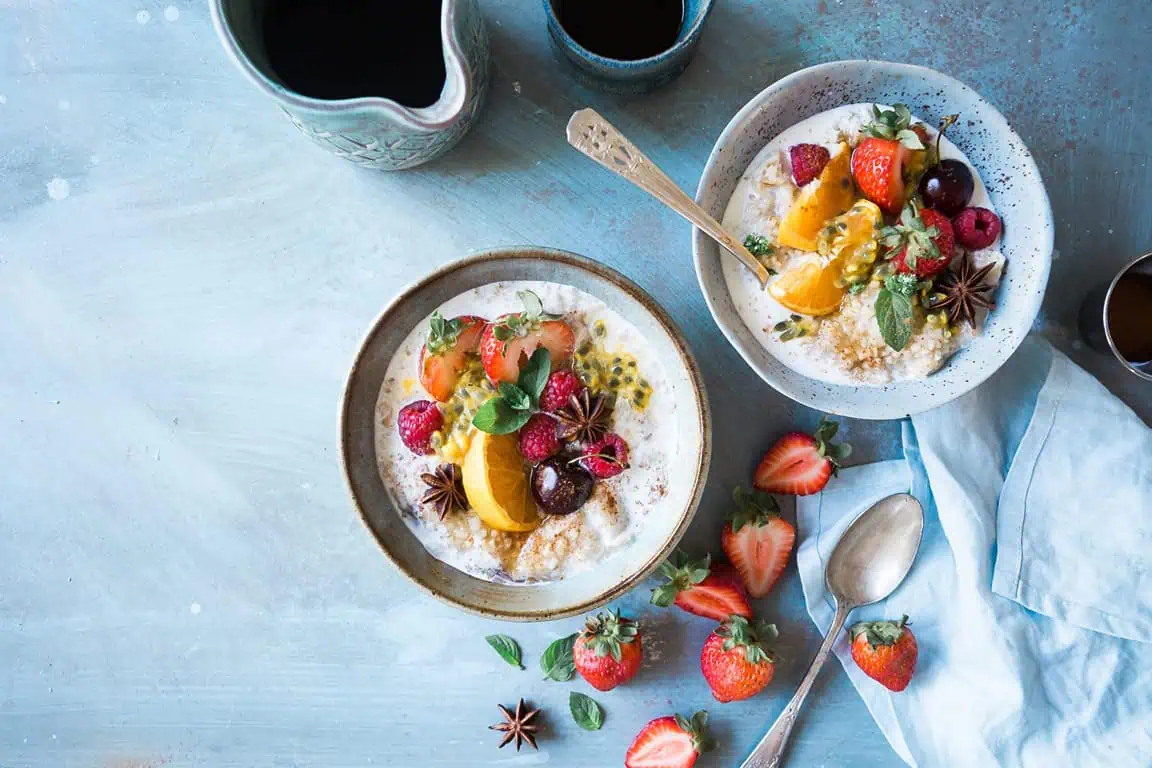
445,354
511,339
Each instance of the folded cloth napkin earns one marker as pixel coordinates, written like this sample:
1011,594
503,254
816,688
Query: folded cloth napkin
1031,596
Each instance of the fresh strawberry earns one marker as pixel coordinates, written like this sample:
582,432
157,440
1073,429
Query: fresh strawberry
757,540
512,339
885,651
445,353
801,464
922,240
693,588
670,742
808,160
559,390
726,572
737,660
878,168
416,422
608,651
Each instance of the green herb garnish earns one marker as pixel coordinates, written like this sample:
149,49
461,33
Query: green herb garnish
508,649
912,235
557,662
894,124
758,245
894,315
514,404
442,334
585,711
520,324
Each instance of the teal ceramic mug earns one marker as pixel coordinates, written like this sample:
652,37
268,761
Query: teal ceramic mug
370,129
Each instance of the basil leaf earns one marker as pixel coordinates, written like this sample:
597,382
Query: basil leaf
507,648
894,316
557,660
585,711
496,418
514,397
534,374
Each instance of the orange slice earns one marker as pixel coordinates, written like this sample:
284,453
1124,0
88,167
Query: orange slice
496,484
811,288
828,196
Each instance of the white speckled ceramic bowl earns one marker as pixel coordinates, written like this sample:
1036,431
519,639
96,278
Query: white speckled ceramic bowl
619,572
1005,165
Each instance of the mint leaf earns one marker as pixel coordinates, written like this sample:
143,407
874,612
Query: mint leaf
557,662
903,284
585,711
534,374
758,245
496,418
508,649
894,316
514,397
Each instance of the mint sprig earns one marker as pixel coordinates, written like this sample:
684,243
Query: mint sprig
894,316
512,408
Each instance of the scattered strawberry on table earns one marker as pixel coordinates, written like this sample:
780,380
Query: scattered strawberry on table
757,541
800,464
885,651
694,587
737,659
608,651
670,742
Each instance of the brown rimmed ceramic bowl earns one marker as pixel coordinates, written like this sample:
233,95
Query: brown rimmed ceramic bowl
619,572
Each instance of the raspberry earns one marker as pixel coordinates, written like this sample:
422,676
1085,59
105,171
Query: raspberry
538,440
607,457
416,422
976,228
808,160
559,389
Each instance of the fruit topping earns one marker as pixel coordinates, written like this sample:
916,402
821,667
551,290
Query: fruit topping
810,288
608,651
512,339
607,457
947,187
852,238
560,487
801,464
737,659
964,291
878,168
513,406
830,196
808,160
585,418
417,422
922,242
670,742
559,389
976,228
694,588
757,540
538,439
495,483
444,355
445,490
885,651
895,125
793,327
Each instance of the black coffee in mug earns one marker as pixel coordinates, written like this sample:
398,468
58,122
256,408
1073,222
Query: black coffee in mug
1130,317
626,30
343,49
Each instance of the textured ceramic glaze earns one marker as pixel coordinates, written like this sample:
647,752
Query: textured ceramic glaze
371,131
578,593
997,152
629,77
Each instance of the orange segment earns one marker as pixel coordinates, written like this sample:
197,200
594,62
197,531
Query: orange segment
496,484
810,288
830,195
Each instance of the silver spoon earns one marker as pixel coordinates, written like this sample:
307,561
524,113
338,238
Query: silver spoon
597,138
869,562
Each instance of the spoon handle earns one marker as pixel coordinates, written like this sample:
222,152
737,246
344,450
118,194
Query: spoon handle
769,753
597,138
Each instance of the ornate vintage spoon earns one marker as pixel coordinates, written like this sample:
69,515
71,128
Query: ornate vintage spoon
869,562
598,139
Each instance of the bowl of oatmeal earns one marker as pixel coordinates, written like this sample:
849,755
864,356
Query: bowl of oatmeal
525,433
904,223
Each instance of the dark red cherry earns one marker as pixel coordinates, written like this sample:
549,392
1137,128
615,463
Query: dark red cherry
947,187
561,488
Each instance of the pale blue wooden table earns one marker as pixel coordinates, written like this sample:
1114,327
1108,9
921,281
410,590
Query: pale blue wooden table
183,282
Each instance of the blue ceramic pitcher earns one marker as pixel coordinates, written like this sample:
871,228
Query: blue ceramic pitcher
369,130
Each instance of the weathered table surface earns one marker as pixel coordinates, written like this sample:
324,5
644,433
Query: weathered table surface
184,280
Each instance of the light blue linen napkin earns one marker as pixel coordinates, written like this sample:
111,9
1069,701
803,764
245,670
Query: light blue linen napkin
1031,597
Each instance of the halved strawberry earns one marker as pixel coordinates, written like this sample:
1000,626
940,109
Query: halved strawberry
878,168
757,540
801,464
694,588
445,354
670,742
511,340
922,240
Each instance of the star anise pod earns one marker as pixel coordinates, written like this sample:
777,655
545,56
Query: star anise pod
585,418
445,490
518,726
964,291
